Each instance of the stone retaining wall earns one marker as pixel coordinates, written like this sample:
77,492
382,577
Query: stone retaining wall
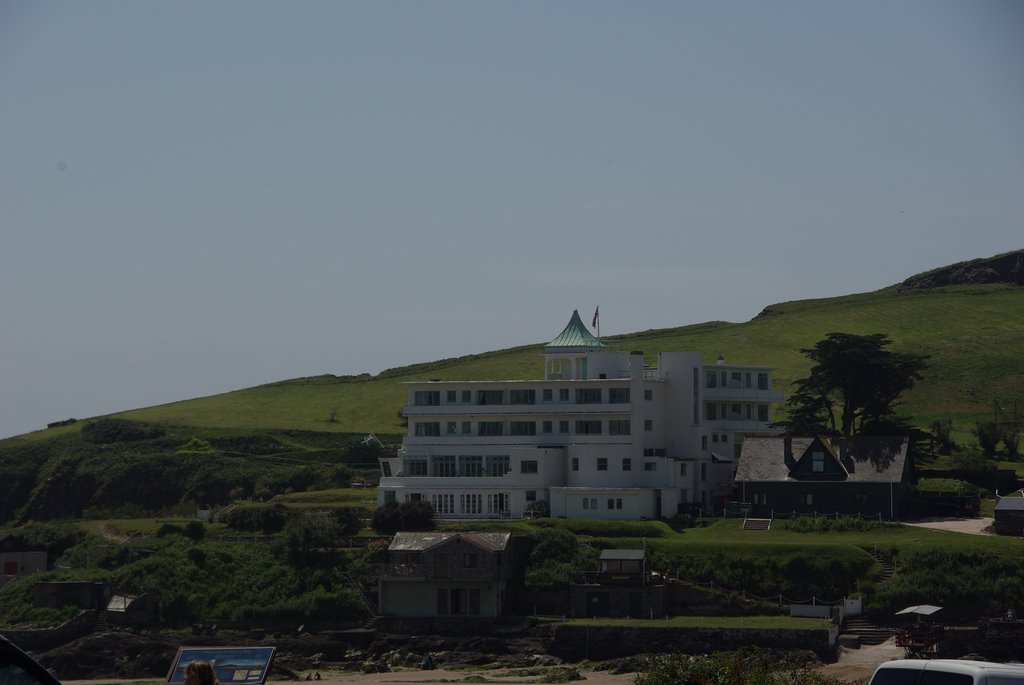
574,642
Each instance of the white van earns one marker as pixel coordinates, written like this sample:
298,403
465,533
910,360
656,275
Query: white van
947,672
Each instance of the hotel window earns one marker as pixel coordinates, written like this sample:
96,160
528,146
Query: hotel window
735,411
467,427
490,428
682,469
471,466
497,466
416,467
428,429
762,381
472,504
531,495
711,411
703,472
528,466
522,396
762,412
575,463
714,437
618,395
547,427
648,395
703,442
618,428
648,425
650,466
522,428
547,395
588,427
563,394
563,426
467,396
427,398
750,411
602,463
737,378
490,397
444,503
450,396
725,437
452,427
627,464
818,462
710,379
588,396
497,503
660,452
443,466
747,383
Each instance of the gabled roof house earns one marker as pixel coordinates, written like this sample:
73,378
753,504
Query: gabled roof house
446,573
806,475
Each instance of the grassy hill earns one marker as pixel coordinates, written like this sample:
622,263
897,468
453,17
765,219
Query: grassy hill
973,333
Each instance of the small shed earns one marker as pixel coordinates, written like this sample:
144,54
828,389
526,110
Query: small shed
1009,518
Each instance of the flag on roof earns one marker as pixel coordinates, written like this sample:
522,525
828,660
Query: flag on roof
593,324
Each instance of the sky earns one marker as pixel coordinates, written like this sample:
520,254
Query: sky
199,197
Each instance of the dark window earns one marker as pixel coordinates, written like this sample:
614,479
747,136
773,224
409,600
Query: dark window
528,466
428,429
469,560
490,428
588,427
602,464
548,395
588,396
618,395
522,428
427,398
618,428
489,397
575,463
627,464
522,396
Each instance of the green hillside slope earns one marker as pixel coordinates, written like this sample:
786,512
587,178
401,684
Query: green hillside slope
974,335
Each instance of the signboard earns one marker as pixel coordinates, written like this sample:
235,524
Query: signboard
247,665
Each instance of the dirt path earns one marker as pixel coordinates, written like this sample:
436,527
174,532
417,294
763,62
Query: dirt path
857,665
978,526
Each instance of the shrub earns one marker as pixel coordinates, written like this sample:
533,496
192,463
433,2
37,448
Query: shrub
393,517
106,431
988,435
749,667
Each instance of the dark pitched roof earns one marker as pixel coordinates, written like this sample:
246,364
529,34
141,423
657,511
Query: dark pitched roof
419,542
865,459
1010,504
623,554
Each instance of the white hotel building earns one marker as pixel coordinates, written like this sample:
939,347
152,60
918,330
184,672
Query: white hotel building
601,436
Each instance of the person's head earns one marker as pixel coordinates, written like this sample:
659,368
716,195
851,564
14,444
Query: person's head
200,673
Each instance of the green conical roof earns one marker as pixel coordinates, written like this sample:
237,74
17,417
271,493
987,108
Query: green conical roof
574,337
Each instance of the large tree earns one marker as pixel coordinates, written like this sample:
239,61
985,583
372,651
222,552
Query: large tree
853,386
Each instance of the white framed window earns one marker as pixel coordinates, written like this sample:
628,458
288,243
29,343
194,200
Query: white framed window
602,463
575,463
818,462
452,427
627,464
444,502
471,503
